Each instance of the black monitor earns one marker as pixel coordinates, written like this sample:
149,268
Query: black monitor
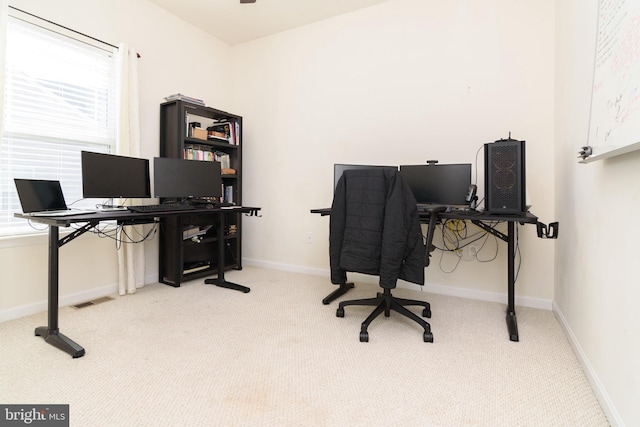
110,176
338,168
183,179
438,184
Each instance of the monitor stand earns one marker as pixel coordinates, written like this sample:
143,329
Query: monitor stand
109,207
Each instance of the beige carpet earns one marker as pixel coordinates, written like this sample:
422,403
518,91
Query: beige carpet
205,356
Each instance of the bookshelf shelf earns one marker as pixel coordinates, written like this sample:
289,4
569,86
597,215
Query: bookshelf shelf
196,255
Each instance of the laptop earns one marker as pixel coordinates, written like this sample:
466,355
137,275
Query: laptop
44,198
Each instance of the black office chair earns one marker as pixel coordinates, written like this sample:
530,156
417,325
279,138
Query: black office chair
375,229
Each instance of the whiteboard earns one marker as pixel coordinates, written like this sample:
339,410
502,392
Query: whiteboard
614,123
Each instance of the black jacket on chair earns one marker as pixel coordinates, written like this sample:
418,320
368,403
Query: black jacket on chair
375,228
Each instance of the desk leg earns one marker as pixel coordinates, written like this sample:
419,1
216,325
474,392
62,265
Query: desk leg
220,280
512,323
51,333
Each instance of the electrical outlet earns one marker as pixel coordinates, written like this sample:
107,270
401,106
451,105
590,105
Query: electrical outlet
464,253
473,251
309,239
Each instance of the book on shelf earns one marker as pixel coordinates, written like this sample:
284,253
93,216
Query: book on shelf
195,230
195,266
212,134
220,130
235,133
223,158
196,152
231,229
226,130
228,194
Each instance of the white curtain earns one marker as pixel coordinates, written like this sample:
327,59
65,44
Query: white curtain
131,264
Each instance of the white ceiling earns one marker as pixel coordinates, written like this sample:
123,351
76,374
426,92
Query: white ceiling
235,23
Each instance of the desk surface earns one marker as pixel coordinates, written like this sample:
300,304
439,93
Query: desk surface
527,217
126,215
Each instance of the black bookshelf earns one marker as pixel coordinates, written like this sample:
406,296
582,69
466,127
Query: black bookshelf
188,243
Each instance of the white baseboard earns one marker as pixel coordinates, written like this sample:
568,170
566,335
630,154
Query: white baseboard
64,300
286,267
498,297
597,386
429,287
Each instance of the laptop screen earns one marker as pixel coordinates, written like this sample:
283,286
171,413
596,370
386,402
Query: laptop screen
40,195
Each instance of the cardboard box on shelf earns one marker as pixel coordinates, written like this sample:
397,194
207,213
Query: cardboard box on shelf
199,133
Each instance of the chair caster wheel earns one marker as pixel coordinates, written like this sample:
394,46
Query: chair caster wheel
428,337
426,313
340,312
364,336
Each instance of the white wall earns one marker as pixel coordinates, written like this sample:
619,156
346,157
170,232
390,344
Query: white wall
175,57
596,281
397,83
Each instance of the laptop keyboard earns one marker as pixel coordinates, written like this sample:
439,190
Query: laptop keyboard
66,212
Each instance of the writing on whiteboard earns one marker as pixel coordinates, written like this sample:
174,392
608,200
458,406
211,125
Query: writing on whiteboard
615,102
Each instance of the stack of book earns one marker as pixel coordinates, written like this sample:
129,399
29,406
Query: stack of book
192,267
195,230
181,97
196,152
224,130
219,131
223,158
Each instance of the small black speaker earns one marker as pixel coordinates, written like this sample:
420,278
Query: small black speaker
504,177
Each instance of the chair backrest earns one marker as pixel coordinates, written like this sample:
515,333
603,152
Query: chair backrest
375,228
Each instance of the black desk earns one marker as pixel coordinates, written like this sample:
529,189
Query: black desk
484,221
51,332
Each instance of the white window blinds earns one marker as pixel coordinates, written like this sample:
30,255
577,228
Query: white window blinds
59,100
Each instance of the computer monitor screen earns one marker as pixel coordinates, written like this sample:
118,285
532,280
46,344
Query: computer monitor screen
182,179
338,168
438,184
111,176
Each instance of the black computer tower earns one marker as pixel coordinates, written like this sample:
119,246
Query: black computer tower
504,177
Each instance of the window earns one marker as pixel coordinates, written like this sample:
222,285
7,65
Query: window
59,100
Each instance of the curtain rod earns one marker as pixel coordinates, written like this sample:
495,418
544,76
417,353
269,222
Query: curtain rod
67,28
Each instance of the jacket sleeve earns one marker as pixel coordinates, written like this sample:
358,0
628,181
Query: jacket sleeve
413,262
402,245
394,234
337,222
